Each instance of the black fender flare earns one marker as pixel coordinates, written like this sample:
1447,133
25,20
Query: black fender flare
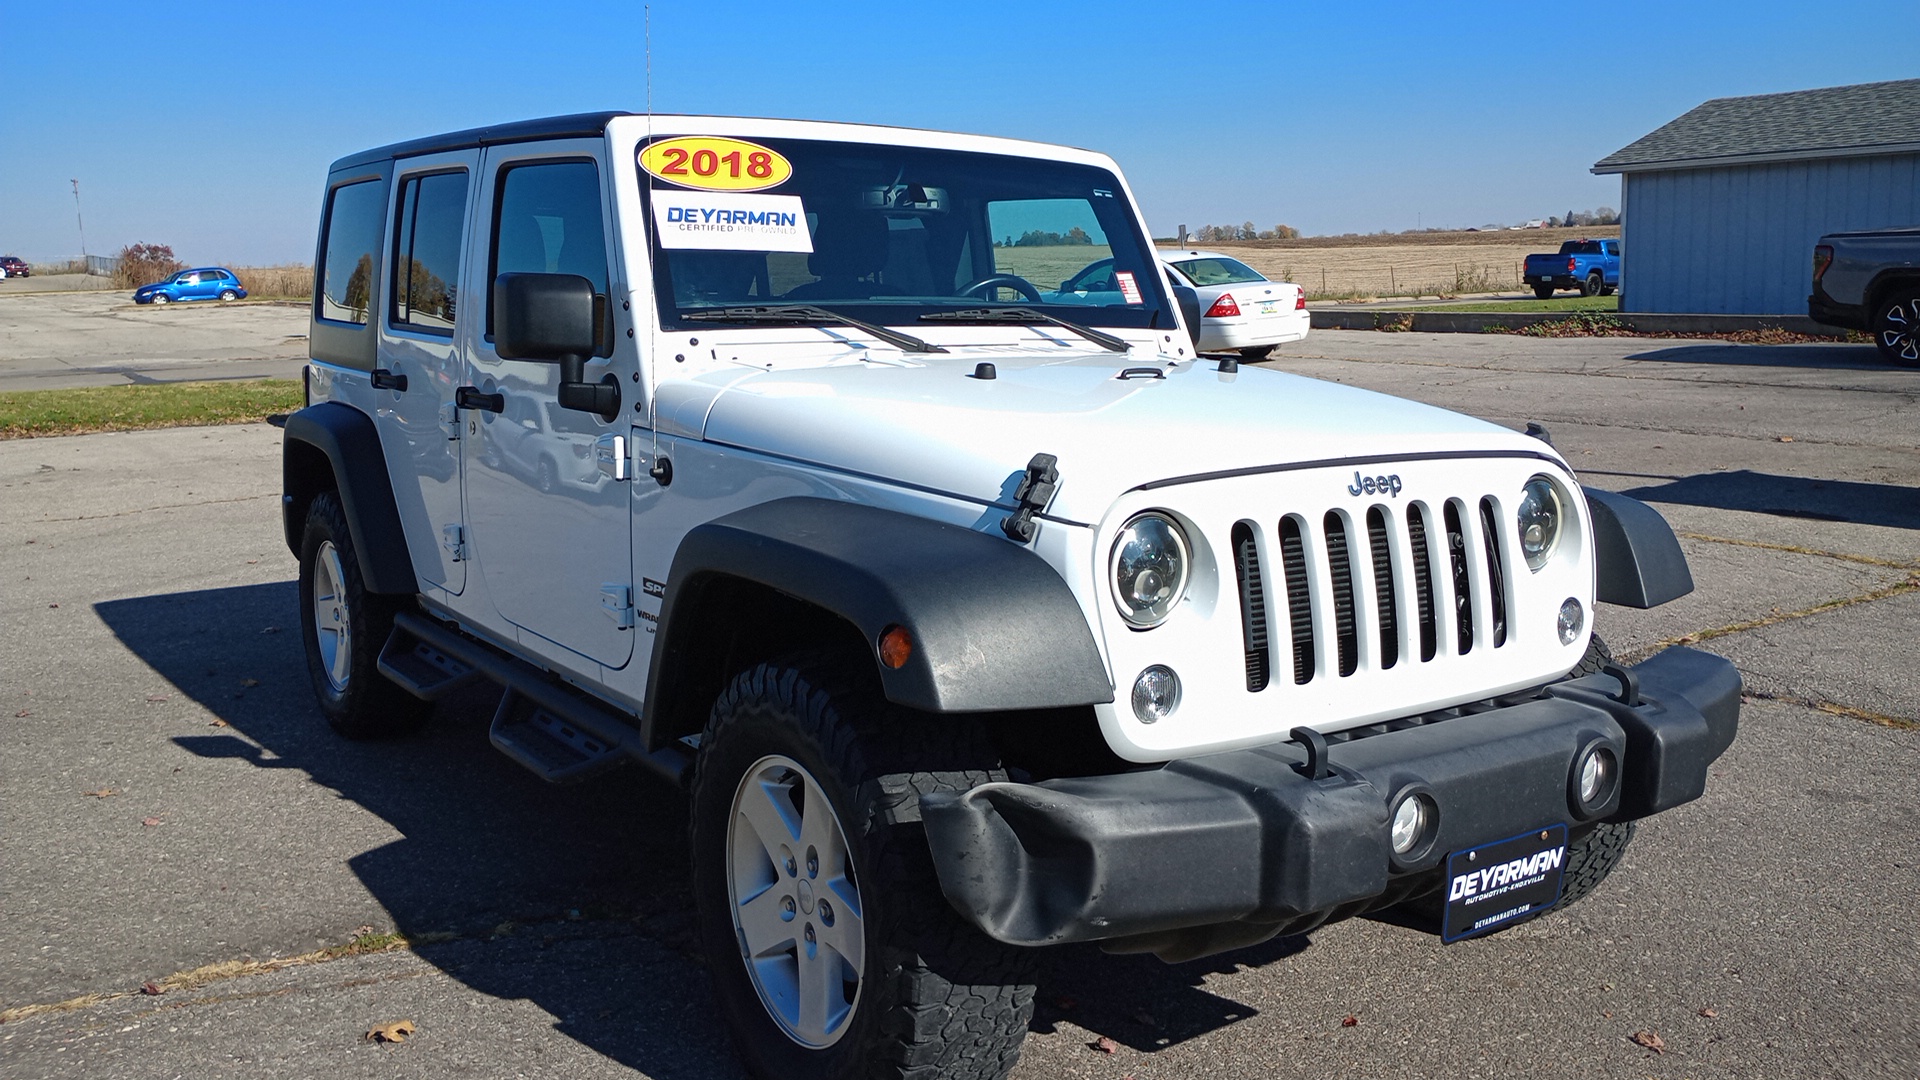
994,627
1637,559
355,466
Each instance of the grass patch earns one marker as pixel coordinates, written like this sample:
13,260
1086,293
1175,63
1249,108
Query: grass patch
1556,303
31,413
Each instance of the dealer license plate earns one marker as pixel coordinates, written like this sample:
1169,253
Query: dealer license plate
1505,882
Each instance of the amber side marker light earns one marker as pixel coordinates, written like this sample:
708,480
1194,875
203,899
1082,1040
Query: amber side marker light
896,647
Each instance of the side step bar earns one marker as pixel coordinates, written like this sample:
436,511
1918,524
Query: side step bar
558,733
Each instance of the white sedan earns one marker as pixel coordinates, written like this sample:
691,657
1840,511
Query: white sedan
1240,308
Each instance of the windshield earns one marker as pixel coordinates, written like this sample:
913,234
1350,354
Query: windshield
891,233
1216,270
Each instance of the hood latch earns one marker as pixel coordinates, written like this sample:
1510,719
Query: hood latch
1032,496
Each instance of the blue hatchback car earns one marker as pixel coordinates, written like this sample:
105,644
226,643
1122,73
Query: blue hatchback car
205,283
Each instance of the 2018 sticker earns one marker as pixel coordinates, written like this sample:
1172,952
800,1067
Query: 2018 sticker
711,163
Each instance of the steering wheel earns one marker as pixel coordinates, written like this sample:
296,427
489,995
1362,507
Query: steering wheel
1012,281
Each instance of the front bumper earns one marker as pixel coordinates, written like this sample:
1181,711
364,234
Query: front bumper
1209,852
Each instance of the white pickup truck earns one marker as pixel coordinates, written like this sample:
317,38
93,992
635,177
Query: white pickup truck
971,617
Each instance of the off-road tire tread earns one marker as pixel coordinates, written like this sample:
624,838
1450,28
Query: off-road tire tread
1591,858
956,1004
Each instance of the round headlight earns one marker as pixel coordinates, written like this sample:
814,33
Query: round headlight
1150,563
1539,521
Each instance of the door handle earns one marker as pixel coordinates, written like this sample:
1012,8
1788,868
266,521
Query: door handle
470,397
387,380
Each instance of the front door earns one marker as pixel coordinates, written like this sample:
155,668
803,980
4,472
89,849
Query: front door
552,534
431,220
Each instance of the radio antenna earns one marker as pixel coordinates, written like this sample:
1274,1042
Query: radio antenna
653,316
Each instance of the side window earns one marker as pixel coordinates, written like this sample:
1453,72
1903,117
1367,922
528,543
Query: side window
547,220
426,251
356,214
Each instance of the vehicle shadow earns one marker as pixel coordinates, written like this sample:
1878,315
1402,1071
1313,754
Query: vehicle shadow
1791,496
491,854
1834,356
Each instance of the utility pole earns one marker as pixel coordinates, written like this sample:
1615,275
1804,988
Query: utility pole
79,221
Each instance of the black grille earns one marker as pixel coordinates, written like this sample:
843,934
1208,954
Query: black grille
1293,563
1345,631
1383,586
1253,605
1496,581
1462,595
1422,580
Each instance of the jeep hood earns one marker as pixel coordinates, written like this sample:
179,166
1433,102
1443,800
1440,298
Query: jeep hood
935,426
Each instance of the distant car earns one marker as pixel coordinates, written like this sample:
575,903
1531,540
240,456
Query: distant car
12,266
1240,308
204,283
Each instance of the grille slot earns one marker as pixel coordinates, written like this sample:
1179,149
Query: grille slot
1253,606
1383,587
1462,591
1496,581
1293,563
1346,631
1422,579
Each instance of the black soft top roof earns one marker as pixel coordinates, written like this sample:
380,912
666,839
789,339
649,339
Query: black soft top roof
578,125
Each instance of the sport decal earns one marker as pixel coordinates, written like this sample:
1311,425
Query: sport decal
710,163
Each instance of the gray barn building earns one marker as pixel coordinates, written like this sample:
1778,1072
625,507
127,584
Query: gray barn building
1720,209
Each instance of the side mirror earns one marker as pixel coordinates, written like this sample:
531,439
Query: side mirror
553,318
1189,302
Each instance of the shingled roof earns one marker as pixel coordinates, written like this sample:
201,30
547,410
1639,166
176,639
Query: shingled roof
1837,121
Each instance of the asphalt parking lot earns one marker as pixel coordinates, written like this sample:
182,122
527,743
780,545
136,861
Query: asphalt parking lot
51,341
172,803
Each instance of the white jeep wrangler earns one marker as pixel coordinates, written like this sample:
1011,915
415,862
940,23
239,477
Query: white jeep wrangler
972,614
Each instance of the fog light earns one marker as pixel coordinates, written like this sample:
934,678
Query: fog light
1410,821
1156,693
1573,619
1596,776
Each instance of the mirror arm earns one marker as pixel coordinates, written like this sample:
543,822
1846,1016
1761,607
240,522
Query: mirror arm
601,398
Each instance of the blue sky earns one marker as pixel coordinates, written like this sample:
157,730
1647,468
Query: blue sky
213,134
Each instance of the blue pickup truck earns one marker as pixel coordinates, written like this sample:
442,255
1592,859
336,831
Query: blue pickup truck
1592,266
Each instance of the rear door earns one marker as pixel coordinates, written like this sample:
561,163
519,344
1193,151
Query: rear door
428,223
552,534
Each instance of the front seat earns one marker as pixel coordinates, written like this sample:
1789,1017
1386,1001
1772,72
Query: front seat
849,251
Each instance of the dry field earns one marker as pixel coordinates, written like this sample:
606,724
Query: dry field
1410,264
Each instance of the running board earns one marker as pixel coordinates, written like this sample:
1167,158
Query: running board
557,732
419,668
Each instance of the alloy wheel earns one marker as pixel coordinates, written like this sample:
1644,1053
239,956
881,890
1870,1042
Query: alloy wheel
331,617
795,901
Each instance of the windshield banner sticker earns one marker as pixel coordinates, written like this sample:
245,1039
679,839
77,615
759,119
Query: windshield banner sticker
715,164
1129,288
718,221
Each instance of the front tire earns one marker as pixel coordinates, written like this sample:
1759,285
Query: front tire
161,300
834,953
1896,328
344,628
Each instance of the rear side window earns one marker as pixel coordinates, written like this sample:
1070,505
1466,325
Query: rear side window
547,221
426,254
356,214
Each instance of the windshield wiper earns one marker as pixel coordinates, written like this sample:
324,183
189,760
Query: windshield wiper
1026,315
804,314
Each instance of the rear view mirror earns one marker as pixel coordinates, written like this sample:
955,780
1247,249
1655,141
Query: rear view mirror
554,318
1189,302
